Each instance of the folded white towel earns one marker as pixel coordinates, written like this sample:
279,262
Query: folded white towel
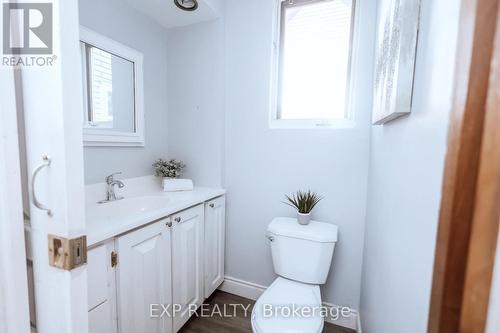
174,185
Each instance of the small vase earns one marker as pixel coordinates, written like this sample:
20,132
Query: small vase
303,219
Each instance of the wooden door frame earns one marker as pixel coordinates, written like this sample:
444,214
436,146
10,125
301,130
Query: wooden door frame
468,222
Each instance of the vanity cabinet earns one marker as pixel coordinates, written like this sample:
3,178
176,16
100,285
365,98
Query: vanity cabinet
187,262
144,278
178,260
215,226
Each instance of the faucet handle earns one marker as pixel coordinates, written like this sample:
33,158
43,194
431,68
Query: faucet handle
110,178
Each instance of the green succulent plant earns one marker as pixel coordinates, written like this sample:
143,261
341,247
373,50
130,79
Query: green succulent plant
303,201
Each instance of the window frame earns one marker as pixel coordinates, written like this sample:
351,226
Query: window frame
277,72
101,137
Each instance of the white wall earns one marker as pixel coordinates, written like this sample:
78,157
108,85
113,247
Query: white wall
196,100
263,164
406,167
260,165
119,21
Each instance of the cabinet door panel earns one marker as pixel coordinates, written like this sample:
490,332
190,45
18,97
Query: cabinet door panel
101,289
99,319
215,226
187,263
97,276
144,278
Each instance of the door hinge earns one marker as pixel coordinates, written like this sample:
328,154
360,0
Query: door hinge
67,253
114,259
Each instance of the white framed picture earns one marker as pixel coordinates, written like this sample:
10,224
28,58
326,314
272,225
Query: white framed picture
396,45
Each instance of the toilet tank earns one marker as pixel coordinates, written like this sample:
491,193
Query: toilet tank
302,252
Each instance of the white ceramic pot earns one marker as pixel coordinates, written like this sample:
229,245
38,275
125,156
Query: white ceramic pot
303,219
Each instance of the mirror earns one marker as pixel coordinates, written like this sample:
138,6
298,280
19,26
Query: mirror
112,89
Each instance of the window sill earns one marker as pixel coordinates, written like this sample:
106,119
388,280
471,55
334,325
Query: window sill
311,124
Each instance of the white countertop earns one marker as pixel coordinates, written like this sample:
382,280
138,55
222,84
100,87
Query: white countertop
144,203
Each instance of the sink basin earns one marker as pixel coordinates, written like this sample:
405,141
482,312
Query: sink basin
128,206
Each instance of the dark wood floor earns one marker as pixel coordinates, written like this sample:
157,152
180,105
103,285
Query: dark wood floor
233,324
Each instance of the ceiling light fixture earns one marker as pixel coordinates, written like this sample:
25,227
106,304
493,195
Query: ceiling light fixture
188,5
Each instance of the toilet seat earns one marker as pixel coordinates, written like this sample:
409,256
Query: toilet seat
287,294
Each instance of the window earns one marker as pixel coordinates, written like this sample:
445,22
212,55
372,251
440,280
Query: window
313,62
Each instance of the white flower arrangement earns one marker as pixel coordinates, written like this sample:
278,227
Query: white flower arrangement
168,169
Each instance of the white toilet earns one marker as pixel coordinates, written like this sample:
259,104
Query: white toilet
302,256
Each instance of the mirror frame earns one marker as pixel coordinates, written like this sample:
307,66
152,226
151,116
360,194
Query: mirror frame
107,138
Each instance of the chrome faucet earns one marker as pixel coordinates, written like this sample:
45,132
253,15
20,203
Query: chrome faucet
110,183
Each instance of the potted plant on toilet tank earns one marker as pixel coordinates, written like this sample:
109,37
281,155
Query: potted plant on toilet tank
170,171
303,202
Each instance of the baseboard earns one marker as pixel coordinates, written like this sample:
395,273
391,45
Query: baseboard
253,291
242,288
350,321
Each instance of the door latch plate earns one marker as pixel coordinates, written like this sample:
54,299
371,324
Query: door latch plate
67,253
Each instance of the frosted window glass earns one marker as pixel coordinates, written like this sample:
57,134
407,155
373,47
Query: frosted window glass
315,52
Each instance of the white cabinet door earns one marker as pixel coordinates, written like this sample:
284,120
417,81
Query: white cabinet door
215,225
101,289
187,262
99,319
144,278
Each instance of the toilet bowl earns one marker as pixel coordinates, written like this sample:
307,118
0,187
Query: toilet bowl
301,257
273,310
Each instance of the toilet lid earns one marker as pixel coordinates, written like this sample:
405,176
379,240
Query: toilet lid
288,307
